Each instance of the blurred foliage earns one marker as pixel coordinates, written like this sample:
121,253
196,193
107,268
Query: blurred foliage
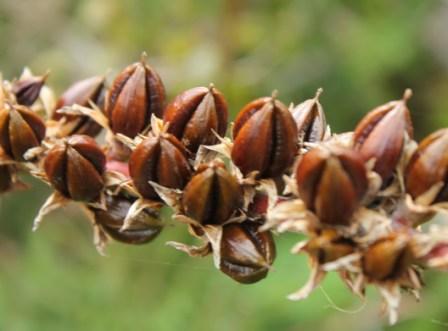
362,53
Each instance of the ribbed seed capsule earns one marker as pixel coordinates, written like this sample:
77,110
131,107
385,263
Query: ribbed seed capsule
310,119
429,166
332,183
160,159
144,228
20,130
194,114
381,135
265,138
246,254
329,246
27,90
88,90
388,258
135,95
212,195
75,169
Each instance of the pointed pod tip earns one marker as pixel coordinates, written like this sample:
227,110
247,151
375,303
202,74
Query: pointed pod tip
211,86
274,94
407,94
143,57
319,91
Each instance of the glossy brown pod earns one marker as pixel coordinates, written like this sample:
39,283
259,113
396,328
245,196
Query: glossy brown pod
388,258
194,114
144,228
160,159
265,138
246,254
75,169
332,183
429,166
310,119
212,195
381,135
20,130
27,90
136,93
82,93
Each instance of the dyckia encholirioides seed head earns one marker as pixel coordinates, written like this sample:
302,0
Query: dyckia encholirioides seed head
381,135
212,195
20,130
136,93
75,168
332,183
161,159
429,166
265,138
194,114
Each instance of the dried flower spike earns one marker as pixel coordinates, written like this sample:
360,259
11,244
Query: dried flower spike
20,130
212,195
310,119
194,114
27,89
429,166
265,137
135,95
246,254
381,135
75,168
161,159
144,228
82,93
332,183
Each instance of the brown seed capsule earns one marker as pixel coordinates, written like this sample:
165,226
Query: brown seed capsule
388,258
160,159
429,166
145,226
246,254
310,119
20,130
81,93
265,137
212,195
381,135
328,246
135,95
75,169
27,90
332,183
194,114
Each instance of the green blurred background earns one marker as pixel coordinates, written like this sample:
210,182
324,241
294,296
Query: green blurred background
362,53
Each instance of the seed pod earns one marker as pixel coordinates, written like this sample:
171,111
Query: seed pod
5,178
332,183
310,119
328,246
429,166
27,90
144,228
388,258
160,159
81,93
20,130
381,135
212,195
194,114
265,137
76,168
246,254
136,93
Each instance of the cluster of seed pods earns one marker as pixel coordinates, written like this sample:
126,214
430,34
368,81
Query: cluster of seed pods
123,153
